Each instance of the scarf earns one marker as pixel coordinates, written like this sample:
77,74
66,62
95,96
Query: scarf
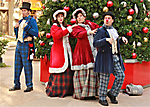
111,30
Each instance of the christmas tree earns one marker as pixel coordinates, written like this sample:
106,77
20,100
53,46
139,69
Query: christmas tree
131,21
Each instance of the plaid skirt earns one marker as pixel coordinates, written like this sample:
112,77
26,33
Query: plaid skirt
60,84
86,83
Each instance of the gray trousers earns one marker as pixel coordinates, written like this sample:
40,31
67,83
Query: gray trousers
104,80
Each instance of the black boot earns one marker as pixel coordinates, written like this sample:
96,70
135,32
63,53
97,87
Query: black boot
112,98
28,89
104,103
14,88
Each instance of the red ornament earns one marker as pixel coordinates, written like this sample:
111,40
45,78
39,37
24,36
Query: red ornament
129,33
134,55
147,14
131,11
109,4
145,30
42,43
43,7
48,35
141,1
66,9
73,21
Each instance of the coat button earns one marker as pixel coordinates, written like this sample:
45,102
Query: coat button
103,50
110,47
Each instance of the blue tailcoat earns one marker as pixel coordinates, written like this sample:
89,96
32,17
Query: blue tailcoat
104,60
30,30
22,50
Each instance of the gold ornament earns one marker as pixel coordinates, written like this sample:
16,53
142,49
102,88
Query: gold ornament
105,9
62,0
148,0
129,18
145,39
146,19
41,33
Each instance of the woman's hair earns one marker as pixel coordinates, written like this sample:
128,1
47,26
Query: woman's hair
76,14
63,23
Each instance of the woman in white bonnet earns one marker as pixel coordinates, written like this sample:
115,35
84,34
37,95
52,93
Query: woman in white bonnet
61,77
85,80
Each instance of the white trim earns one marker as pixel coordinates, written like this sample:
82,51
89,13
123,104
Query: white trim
59,11
55,24
88,32
130,60
79,9
69,29
82,66
93,49
67,50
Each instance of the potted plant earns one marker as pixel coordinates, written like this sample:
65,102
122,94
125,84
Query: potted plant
3,44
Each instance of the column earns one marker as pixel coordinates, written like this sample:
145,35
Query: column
10,14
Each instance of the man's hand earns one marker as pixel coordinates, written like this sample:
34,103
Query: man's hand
25,24
125,40
17,25
110,40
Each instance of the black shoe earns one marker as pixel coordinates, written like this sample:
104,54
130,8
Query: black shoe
93,98
112,98
90,98
14,88
28,89
104,103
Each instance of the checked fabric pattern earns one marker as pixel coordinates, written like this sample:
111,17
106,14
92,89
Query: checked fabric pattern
21,61
85,83
60,84
104,80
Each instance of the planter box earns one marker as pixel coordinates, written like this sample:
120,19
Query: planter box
44,70
136,73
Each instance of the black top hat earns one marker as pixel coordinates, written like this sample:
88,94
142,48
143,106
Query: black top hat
109,13
26,5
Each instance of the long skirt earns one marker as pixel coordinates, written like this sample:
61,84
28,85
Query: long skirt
60,84
86,84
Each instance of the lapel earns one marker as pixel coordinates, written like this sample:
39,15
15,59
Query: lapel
27,20
106,33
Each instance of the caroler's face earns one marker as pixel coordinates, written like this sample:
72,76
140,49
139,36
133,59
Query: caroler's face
108,20
80,18
60,18
25,12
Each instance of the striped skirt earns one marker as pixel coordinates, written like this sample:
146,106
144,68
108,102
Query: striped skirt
60,84
86,84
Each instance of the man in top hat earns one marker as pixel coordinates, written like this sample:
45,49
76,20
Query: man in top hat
108,59
25,30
